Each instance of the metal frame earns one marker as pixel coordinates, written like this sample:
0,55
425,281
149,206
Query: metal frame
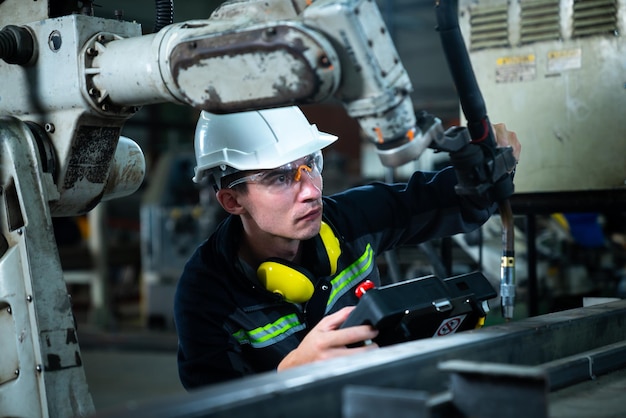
316,390
41,360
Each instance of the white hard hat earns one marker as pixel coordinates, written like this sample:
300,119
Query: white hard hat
255,140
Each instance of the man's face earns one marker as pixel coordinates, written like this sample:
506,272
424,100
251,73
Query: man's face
285,202
295,213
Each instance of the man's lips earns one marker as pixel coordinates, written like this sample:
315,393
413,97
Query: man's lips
310,215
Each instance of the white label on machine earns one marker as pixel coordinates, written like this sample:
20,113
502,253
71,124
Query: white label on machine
450,325
516,68
569,59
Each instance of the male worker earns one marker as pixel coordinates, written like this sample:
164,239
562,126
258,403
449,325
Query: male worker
271,286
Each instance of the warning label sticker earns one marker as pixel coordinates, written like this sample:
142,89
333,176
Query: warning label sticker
569,59
516,68
449,326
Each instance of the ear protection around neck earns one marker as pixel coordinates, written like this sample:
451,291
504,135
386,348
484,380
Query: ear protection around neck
293,282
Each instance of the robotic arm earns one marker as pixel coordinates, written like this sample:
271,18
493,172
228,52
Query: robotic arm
86,76
255,54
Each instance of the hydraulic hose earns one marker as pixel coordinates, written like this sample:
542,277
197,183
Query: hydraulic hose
479,127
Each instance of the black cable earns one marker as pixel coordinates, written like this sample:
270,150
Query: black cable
472,101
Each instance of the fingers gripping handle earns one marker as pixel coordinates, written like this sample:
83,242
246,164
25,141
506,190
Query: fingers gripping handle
480,170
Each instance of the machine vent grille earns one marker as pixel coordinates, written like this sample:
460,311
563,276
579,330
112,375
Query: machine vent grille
489,27
539,21
594,17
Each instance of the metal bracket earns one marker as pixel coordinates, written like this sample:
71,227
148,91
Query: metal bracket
491,390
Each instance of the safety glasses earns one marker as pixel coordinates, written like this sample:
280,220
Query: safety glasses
286,176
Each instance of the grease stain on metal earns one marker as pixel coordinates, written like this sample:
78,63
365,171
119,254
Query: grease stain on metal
91,155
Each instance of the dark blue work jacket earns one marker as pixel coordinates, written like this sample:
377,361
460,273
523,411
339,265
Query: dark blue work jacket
229,326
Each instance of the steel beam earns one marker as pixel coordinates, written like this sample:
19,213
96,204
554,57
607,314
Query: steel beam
316,390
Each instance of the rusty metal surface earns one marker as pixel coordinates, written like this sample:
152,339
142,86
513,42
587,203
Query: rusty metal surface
268,66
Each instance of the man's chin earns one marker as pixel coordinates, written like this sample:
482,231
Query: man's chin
311,229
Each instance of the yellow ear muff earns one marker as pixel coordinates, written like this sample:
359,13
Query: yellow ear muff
287,281
292,282
331,243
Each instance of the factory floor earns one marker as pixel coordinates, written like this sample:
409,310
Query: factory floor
129,366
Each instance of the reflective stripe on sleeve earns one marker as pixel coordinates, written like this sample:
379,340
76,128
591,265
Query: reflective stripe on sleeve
271,333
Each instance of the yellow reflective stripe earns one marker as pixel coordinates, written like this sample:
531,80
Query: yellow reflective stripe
271,333
358,270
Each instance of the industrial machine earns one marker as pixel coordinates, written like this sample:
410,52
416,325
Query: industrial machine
554,70
72,79
567,59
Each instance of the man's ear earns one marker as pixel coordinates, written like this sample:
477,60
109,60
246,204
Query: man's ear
228,199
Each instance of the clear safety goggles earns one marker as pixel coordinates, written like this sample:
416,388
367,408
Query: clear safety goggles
285,176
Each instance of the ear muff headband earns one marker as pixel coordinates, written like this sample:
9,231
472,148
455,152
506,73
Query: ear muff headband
293,282
331,243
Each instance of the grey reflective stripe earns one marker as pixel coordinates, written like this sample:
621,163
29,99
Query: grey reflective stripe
271,333
354,273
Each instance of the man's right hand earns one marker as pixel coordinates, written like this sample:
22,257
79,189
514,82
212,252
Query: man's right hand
326,341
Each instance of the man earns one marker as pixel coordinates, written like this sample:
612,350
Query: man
272,285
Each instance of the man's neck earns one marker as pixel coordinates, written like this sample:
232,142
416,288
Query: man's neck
256,249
